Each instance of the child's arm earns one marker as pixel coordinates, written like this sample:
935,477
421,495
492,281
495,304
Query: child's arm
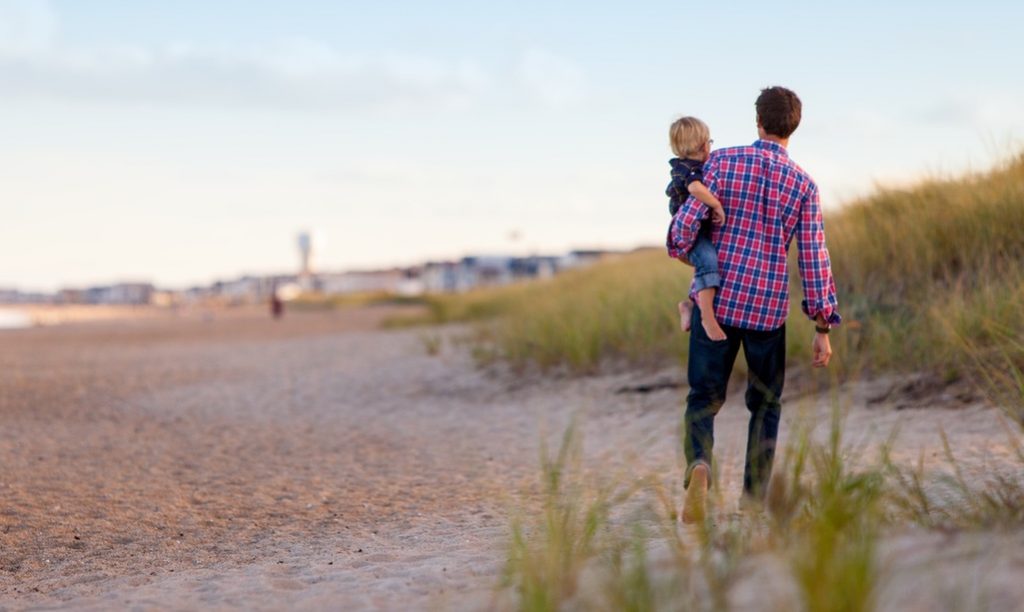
699,191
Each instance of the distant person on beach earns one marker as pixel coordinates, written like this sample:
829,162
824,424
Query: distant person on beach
771,201
690,140
276,305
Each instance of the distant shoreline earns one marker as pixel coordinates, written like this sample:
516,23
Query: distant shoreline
14,318
21,316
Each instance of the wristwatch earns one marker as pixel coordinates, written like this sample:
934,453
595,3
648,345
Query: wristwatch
822,330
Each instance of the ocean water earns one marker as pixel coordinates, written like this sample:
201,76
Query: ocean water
14,319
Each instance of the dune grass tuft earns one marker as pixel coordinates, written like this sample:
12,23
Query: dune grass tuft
547,555
918,271
830,526
588,547
827,514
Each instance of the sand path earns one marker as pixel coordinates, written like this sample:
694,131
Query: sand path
316,463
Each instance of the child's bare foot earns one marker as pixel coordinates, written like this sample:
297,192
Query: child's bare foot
685,310
712,328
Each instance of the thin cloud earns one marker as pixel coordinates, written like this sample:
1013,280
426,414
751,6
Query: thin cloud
555,80
27,27
296,74
979,112
293,74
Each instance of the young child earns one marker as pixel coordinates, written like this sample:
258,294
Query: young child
691,142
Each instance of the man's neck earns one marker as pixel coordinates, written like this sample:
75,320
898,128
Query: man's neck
780,141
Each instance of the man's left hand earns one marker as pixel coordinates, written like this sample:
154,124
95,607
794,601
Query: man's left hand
821,350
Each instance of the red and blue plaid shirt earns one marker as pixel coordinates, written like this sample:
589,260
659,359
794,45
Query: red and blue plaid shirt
768,201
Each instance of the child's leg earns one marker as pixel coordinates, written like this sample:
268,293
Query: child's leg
685,313
706,283
706,302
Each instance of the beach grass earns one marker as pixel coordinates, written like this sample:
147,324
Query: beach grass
548,554
918,270
931,279
578,553
830,526
822,532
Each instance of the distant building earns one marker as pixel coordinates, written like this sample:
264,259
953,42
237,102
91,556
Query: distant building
433,277
130,293
244,290
534,267
445,277
385,281
14,296
576,259
488,271
126,294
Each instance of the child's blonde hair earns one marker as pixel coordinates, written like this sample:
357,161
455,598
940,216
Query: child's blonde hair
688,136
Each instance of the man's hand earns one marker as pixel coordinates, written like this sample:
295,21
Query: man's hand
718,215
821,350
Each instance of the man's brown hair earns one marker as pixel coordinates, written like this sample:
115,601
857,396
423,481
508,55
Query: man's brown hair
778,111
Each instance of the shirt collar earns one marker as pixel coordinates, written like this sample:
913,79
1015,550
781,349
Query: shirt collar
685,162
771,146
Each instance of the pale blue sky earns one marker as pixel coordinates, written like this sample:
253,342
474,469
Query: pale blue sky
181,142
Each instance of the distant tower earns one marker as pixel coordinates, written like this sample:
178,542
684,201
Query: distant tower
306,244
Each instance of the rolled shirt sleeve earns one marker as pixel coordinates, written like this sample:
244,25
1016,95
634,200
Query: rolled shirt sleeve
682,233
815,265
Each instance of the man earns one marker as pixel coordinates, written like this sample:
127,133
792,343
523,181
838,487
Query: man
768,200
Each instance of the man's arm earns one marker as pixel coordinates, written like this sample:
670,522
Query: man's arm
702,193
682,234
815,265
819,287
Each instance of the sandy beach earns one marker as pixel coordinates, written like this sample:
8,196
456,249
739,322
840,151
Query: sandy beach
233,462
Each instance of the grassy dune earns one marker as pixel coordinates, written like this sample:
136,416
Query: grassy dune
603,541
930,277
937,269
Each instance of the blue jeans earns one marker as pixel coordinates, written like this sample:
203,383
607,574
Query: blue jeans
708,370
705,261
